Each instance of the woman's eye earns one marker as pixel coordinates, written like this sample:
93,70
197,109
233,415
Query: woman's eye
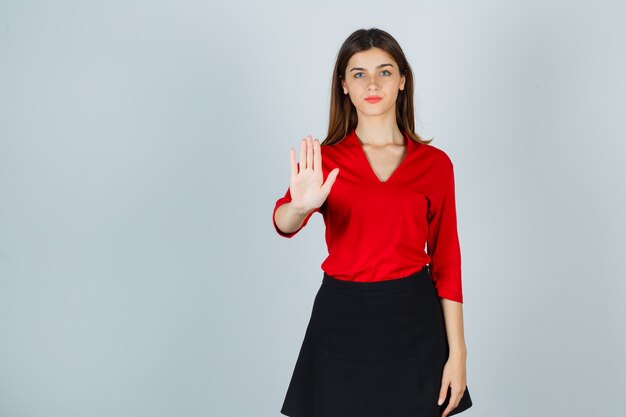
358,73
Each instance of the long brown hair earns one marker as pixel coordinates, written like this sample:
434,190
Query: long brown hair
343,117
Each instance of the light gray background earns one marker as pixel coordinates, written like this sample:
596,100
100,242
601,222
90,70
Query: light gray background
142,148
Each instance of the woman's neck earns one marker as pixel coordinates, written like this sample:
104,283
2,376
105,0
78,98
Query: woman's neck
379,134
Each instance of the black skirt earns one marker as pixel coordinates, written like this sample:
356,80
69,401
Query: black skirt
372,349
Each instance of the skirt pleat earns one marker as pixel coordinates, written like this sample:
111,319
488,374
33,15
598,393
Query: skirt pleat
372,349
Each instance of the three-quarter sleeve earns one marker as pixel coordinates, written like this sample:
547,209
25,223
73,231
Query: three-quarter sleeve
443,241
283,200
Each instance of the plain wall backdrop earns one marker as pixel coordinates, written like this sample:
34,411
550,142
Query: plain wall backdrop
143,145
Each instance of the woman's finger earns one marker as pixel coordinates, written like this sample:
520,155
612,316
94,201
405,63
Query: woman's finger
443,391
317,156
455,399
292,162
302,154
309,152
330,180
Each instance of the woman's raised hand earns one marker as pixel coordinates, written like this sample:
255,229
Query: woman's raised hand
307,187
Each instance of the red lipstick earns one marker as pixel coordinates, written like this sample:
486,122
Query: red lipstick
373,99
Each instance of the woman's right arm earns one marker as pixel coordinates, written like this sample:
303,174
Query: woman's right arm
289,220
307,190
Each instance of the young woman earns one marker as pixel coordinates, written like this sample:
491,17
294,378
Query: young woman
385,337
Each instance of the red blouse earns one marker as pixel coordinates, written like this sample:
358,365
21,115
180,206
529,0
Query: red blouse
379,230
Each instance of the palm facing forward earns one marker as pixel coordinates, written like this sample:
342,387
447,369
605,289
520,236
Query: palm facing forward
306,185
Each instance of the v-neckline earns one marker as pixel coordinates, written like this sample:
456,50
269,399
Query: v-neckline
363,156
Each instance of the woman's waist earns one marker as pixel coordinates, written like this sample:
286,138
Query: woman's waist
374,283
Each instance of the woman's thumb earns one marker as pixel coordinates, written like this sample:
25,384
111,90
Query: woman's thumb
330,180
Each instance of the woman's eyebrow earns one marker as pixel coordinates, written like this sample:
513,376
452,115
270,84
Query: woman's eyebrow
363,69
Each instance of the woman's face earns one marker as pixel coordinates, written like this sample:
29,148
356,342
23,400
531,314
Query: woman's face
372,73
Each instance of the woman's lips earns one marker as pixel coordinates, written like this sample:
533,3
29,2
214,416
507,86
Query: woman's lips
373,99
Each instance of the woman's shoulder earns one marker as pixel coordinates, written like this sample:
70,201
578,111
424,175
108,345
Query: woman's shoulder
436,155
337,148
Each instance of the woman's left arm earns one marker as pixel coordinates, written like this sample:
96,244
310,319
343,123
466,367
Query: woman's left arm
445,253
454,372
